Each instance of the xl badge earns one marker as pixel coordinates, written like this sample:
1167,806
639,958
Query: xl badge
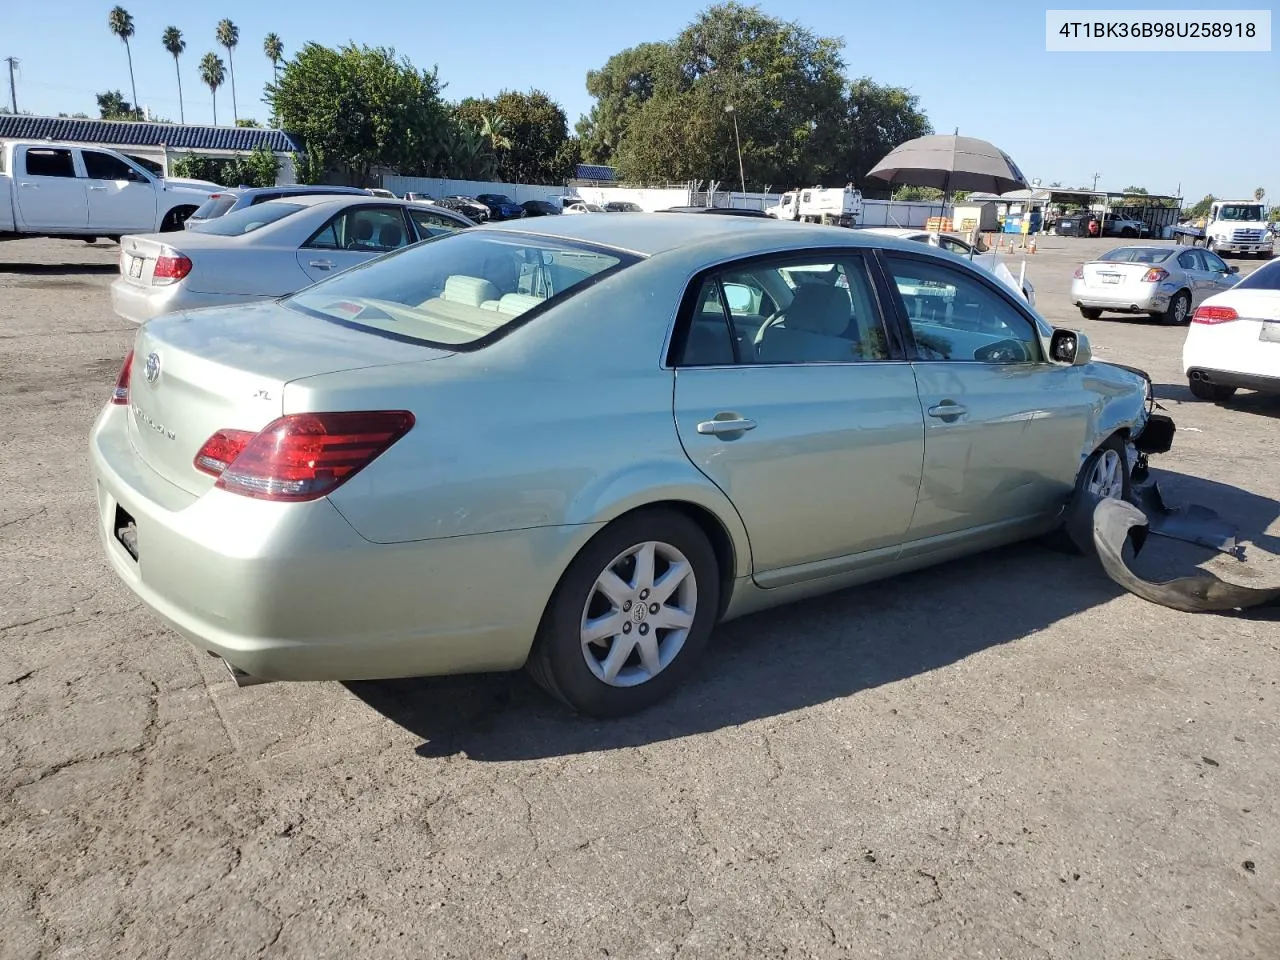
152,369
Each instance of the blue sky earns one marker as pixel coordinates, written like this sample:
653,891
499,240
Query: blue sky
1205,121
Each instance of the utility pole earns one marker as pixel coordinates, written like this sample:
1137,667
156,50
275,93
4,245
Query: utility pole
1095,182
741,175
13,94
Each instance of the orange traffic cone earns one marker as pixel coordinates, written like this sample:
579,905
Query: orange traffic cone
1032,248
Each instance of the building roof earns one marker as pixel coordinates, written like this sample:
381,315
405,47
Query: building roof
128,133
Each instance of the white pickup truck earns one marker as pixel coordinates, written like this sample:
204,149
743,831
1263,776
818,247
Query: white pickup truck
74,192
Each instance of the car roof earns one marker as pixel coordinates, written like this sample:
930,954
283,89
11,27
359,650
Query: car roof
301,189
649,234
320,200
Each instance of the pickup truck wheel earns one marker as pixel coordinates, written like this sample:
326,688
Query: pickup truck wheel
1128,232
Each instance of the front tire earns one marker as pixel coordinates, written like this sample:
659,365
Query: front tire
630,617
1179,310
1213,392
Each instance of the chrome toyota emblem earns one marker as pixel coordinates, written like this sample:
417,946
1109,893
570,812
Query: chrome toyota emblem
152,369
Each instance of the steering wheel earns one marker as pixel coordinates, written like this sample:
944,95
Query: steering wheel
1002,351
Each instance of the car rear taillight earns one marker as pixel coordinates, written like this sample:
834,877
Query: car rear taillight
1155,275
120,395
301,456
1079,274
1214,315
171,269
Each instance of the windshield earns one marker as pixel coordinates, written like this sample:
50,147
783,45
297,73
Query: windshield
1137,255
248,219
1241,211
458,289
1266,277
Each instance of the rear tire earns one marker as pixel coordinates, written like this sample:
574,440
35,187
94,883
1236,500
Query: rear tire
1179,310
1090,313
648,641
1213,392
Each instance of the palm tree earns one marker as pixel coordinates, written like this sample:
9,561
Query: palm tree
1259,193
274,49
174,43
121,24
229,36
213,75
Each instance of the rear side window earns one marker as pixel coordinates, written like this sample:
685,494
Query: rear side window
215,206
264,197
45,162
248,219
1266,277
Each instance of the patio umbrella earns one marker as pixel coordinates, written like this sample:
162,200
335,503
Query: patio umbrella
950,163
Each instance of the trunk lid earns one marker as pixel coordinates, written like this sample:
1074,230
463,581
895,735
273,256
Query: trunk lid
1117,277
196,373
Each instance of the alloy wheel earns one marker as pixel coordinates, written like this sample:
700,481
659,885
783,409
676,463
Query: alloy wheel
1106,481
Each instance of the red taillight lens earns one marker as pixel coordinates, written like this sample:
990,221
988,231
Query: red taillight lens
302,456
1079,274
171,268
1215,315
1155,275
120,395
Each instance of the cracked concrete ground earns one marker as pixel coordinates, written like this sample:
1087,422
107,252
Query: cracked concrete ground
1005,757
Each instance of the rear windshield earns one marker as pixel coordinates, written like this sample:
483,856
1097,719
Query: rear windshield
460,288
249,219
215,207
1137,255
1266,277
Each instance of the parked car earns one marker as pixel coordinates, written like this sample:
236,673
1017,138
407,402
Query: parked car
622,206
961,247
65,190
500,206
228,201
1165,282
562,449
583,207
541,208
419,197
1234,338
469,207
385,194
267,250
720,211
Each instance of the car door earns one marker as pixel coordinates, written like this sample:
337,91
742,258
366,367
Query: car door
811,424
353,236
1218,276
121,199
1003,425
49,195
1191,263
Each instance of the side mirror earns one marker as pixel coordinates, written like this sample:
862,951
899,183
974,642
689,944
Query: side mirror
1070,347
1233,269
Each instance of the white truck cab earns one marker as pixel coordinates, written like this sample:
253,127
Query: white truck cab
833,205
1238,226
67,190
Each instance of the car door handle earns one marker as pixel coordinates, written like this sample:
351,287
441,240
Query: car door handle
321,264
717,428
98,188
29,185
947,409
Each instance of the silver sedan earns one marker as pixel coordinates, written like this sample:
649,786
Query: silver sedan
579,444
1165,282
266,250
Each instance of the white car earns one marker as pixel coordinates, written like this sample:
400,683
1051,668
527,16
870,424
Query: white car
987,261
265,251
1234,338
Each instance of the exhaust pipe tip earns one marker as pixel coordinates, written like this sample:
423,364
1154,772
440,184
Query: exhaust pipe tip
241,678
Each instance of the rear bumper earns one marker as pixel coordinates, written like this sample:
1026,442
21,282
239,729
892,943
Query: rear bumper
1148,301
1228,378
139,304
292,592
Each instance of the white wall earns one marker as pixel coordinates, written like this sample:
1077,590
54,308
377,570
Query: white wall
438,187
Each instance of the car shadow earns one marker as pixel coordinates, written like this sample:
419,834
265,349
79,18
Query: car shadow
813,652
1246,401
59,269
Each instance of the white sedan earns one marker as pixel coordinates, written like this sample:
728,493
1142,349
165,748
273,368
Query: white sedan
987,261
266,251
1234,339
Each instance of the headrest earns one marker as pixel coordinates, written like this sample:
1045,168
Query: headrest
472,291
819,308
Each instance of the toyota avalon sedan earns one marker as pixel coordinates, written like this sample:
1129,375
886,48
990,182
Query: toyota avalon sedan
576,444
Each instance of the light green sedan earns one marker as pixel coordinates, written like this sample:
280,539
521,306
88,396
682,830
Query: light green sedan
577,444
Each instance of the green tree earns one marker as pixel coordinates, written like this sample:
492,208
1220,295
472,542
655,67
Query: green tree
248,122
213,74
274,49
877,119
531,133
174,43
917,193
120,23
113,106
362,107
1200,209
228,35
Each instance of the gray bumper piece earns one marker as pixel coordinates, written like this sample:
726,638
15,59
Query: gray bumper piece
1103,527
